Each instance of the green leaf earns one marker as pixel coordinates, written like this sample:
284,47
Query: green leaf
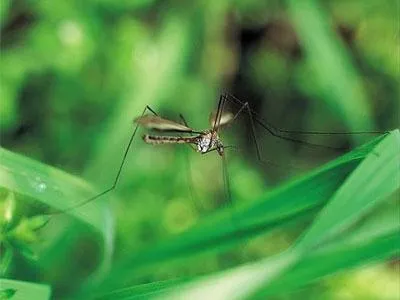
371,183
28,179
20,290
50,186
376,239
286,272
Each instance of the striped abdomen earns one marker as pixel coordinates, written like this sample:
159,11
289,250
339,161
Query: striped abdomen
157,140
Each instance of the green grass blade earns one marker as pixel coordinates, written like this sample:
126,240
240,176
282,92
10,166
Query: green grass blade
371,183
56,189
50,186
341,255
375,240
24,290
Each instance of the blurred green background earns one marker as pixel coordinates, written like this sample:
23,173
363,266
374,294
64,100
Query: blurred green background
74,75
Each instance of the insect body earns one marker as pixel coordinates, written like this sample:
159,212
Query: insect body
203,142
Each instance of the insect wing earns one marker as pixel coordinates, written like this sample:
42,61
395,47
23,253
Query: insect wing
226,117
158,123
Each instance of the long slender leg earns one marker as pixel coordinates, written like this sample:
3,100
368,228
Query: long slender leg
227,187
220,110
186,124
226,183
183,120
246,107
281,133
189,171
114,185
225,173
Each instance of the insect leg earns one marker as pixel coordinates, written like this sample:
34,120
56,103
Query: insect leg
191,133
246,107
114,185
183,120
283,134
193,197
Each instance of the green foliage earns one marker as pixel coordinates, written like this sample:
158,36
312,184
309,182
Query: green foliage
75,74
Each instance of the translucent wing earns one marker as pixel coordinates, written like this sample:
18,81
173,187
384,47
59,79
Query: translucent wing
158,123
225,118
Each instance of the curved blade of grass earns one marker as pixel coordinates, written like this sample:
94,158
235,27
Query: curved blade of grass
375,239
58,190
347,253
371,183
50,186
376,178
297,199
24,290
363,245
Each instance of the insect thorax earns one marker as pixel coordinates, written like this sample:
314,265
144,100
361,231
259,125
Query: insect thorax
207,141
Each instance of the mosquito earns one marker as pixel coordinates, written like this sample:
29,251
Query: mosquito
206,141
201,141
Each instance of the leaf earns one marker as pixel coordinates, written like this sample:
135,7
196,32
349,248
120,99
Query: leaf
50,186
283,278
376,239
371,183
56,189
21,290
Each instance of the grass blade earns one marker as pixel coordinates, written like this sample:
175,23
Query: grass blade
24,290
50,186
372,182
29,179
